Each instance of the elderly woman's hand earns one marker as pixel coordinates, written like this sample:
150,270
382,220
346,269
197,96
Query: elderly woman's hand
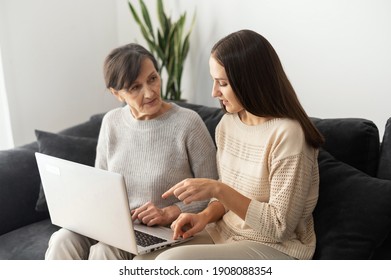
151,215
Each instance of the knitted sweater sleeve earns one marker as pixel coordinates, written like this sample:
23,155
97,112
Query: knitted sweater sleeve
202,159
101,148
290,180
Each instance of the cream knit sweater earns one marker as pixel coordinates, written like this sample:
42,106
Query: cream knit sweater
273,165
154,155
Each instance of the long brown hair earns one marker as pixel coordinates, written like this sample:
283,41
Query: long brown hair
259,81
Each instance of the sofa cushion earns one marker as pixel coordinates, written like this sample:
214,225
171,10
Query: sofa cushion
27,243
353,214
352,140
19,188
77,149
89,129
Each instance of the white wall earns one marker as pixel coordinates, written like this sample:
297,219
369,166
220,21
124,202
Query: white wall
53,51
337,53
6,138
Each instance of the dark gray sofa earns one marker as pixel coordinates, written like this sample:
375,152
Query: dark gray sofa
352,217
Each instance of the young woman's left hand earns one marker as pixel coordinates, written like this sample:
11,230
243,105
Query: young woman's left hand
194,189
187,225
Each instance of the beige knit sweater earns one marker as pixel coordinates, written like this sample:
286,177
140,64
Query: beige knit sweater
273,165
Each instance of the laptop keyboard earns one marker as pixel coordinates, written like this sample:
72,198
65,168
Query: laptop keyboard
144,239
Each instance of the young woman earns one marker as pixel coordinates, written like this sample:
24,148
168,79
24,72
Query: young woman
152,143
267,149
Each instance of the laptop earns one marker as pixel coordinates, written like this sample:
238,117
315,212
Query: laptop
94,203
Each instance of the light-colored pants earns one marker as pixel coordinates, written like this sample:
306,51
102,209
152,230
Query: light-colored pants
67,245
239,250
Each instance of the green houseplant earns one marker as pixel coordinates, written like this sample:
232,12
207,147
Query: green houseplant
169,43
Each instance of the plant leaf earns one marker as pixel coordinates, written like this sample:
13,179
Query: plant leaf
134,13
147,36
170,45
161,15
147,18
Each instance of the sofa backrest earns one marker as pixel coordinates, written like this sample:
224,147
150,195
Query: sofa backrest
353,141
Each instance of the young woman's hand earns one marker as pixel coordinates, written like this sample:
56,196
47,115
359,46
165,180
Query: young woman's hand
151,215
188,224
195,189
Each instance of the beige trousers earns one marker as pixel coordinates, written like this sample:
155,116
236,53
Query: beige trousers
239,250
67,245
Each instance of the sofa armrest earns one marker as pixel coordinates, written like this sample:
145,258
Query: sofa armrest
384,169
19,188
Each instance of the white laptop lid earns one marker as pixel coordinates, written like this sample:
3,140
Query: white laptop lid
94,203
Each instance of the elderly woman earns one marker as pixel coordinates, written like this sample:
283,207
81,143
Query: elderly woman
154,144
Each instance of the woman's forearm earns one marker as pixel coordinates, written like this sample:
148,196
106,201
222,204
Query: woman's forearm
232,200
214,212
